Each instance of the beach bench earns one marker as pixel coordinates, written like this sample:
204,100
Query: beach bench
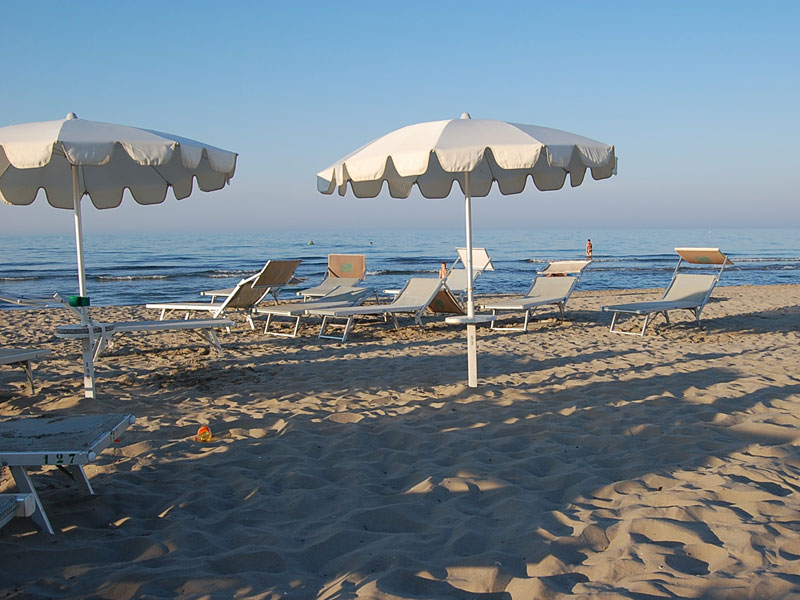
102,333
64,442
22,357
686,291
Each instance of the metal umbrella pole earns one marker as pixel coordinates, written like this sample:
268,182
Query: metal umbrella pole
82,300
472,341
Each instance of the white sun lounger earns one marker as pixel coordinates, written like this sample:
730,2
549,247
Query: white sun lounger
244,298
687,291
273,277
344,271
298,310
103,333
413,299
456,279
65,442
552,286
23,357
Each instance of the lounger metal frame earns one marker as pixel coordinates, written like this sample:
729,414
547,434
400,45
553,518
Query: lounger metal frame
399,305
22,358
688,255
298,310
65,442
570,271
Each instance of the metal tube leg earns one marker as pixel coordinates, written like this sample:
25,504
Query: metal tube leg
79,476
88,367
472,355
26,366
25,485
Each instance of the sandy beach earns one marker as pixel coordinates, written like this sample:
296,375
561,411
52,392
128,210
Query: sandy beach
586,465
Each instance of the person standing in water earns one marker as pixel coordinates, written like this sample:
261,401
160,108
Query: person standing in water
588,249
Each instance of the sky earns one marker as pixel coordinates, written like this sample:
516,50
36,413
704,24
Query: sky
700,99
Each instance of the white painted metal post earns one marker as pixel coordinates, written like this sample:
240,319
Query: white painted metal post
472,342
87,343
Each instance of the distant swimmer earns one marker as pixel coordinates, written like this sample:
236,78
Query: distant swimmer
310,242
588,249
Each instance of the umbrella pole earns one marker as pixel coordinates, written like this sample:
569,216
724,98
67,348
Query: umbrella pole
472,341
88,342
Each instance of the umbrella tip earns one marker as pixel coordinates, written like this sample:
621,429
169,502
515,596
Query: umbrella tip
465,116
70,116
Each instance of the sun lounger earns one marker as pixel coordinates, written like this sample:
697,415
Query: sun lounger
413,299
65,442
22,357
344,271
244,298
15,505
328,286
457,280
686,291
552,286
273,277
103,333
298,310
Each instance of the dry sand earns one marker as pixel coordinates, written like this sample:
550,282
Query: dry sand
586,465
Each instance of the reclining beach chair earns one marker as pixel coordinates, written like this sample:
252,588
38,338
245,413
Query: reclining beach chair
456,279
244,298
298,310
551,286
413,299
273,277
688,291
22,357
344,271
65,442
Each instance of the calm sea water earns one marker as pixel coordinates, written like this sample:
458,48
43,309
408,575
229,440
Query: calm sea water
125,269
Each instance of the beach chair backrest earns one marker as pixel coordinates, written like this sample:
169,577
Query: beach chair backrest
419,291
564,267
352,266
244,295
457,280
690,287
276,272
552,287
481,261
703,256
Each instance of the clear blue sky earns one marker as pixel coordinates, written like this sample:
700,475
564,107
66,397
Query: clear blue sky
701,100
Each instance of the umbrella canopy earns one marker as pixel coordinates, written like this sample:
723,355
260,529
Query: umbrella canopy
475,153
71,158
432,155
41,155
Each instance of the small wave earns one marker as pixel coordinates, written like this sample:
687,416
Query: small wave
21,278
130,277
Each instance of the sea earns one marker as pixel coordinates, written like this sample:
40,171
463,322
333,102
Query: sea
136,268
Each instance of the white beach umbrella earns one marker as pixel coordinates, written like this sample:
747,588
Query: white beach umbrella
475,153
73,157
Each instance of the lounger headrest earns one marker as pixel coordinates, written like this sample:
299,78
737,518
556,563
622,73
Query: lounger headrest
703,256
